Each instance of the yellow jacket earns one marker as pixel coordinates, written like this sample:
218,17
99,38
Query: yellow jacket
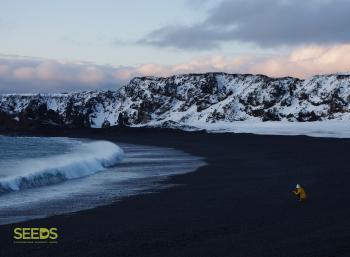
300,192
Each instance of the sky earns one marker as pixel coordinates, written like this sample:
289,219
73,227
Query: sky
56,46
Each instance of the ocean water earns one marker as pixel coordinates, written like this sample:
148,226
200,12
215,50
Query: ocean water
41,177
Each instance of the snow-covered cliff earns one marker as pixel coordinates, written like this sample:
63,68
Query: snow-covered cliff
186,100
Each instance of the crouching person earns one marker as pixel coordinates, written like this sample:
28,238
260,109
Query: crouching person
300,193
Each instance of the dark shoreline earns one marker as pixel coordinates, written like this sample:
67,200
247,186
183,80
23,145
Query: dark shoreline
240,204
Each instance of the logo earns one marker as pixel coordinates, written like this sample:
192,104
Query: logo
35,235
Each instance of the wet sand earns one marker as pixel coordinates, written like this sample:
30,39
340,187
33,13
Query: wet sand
239,205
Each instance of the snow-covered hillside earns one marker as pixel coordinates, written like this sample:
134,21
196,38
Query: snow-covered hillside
186,101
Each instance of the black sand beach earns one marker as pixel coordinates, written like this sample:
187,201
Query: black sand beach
239,205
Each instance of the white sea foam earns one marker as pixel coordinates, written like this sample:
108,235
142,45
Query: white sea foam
141,170
86,159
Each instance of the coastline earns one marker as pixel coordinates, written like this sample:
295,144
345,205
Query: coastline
240,204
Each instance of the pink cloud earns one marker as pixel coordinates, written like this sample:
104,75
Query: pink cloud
202,64
48,70
91,75
45,75
4,70
124,73
24,73
301,62
307,61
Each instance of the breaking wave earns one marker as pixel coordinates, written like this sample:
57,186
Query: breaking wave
84,160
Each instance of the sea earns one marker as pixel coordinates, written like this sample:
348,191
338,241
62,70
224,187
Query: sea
46,176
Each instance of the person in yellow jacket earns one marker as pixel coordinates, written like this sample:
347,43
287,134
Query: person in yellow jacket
300,193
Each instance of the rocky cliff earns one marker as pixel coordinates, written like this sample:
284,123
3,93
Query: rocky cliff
185,101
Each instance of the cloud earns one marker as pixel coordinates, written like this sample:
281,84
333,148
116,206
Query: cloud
4,70
200,5
48,70
266,23
36,75
184,37
91,75
307,61
302,62
198,65
26,74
